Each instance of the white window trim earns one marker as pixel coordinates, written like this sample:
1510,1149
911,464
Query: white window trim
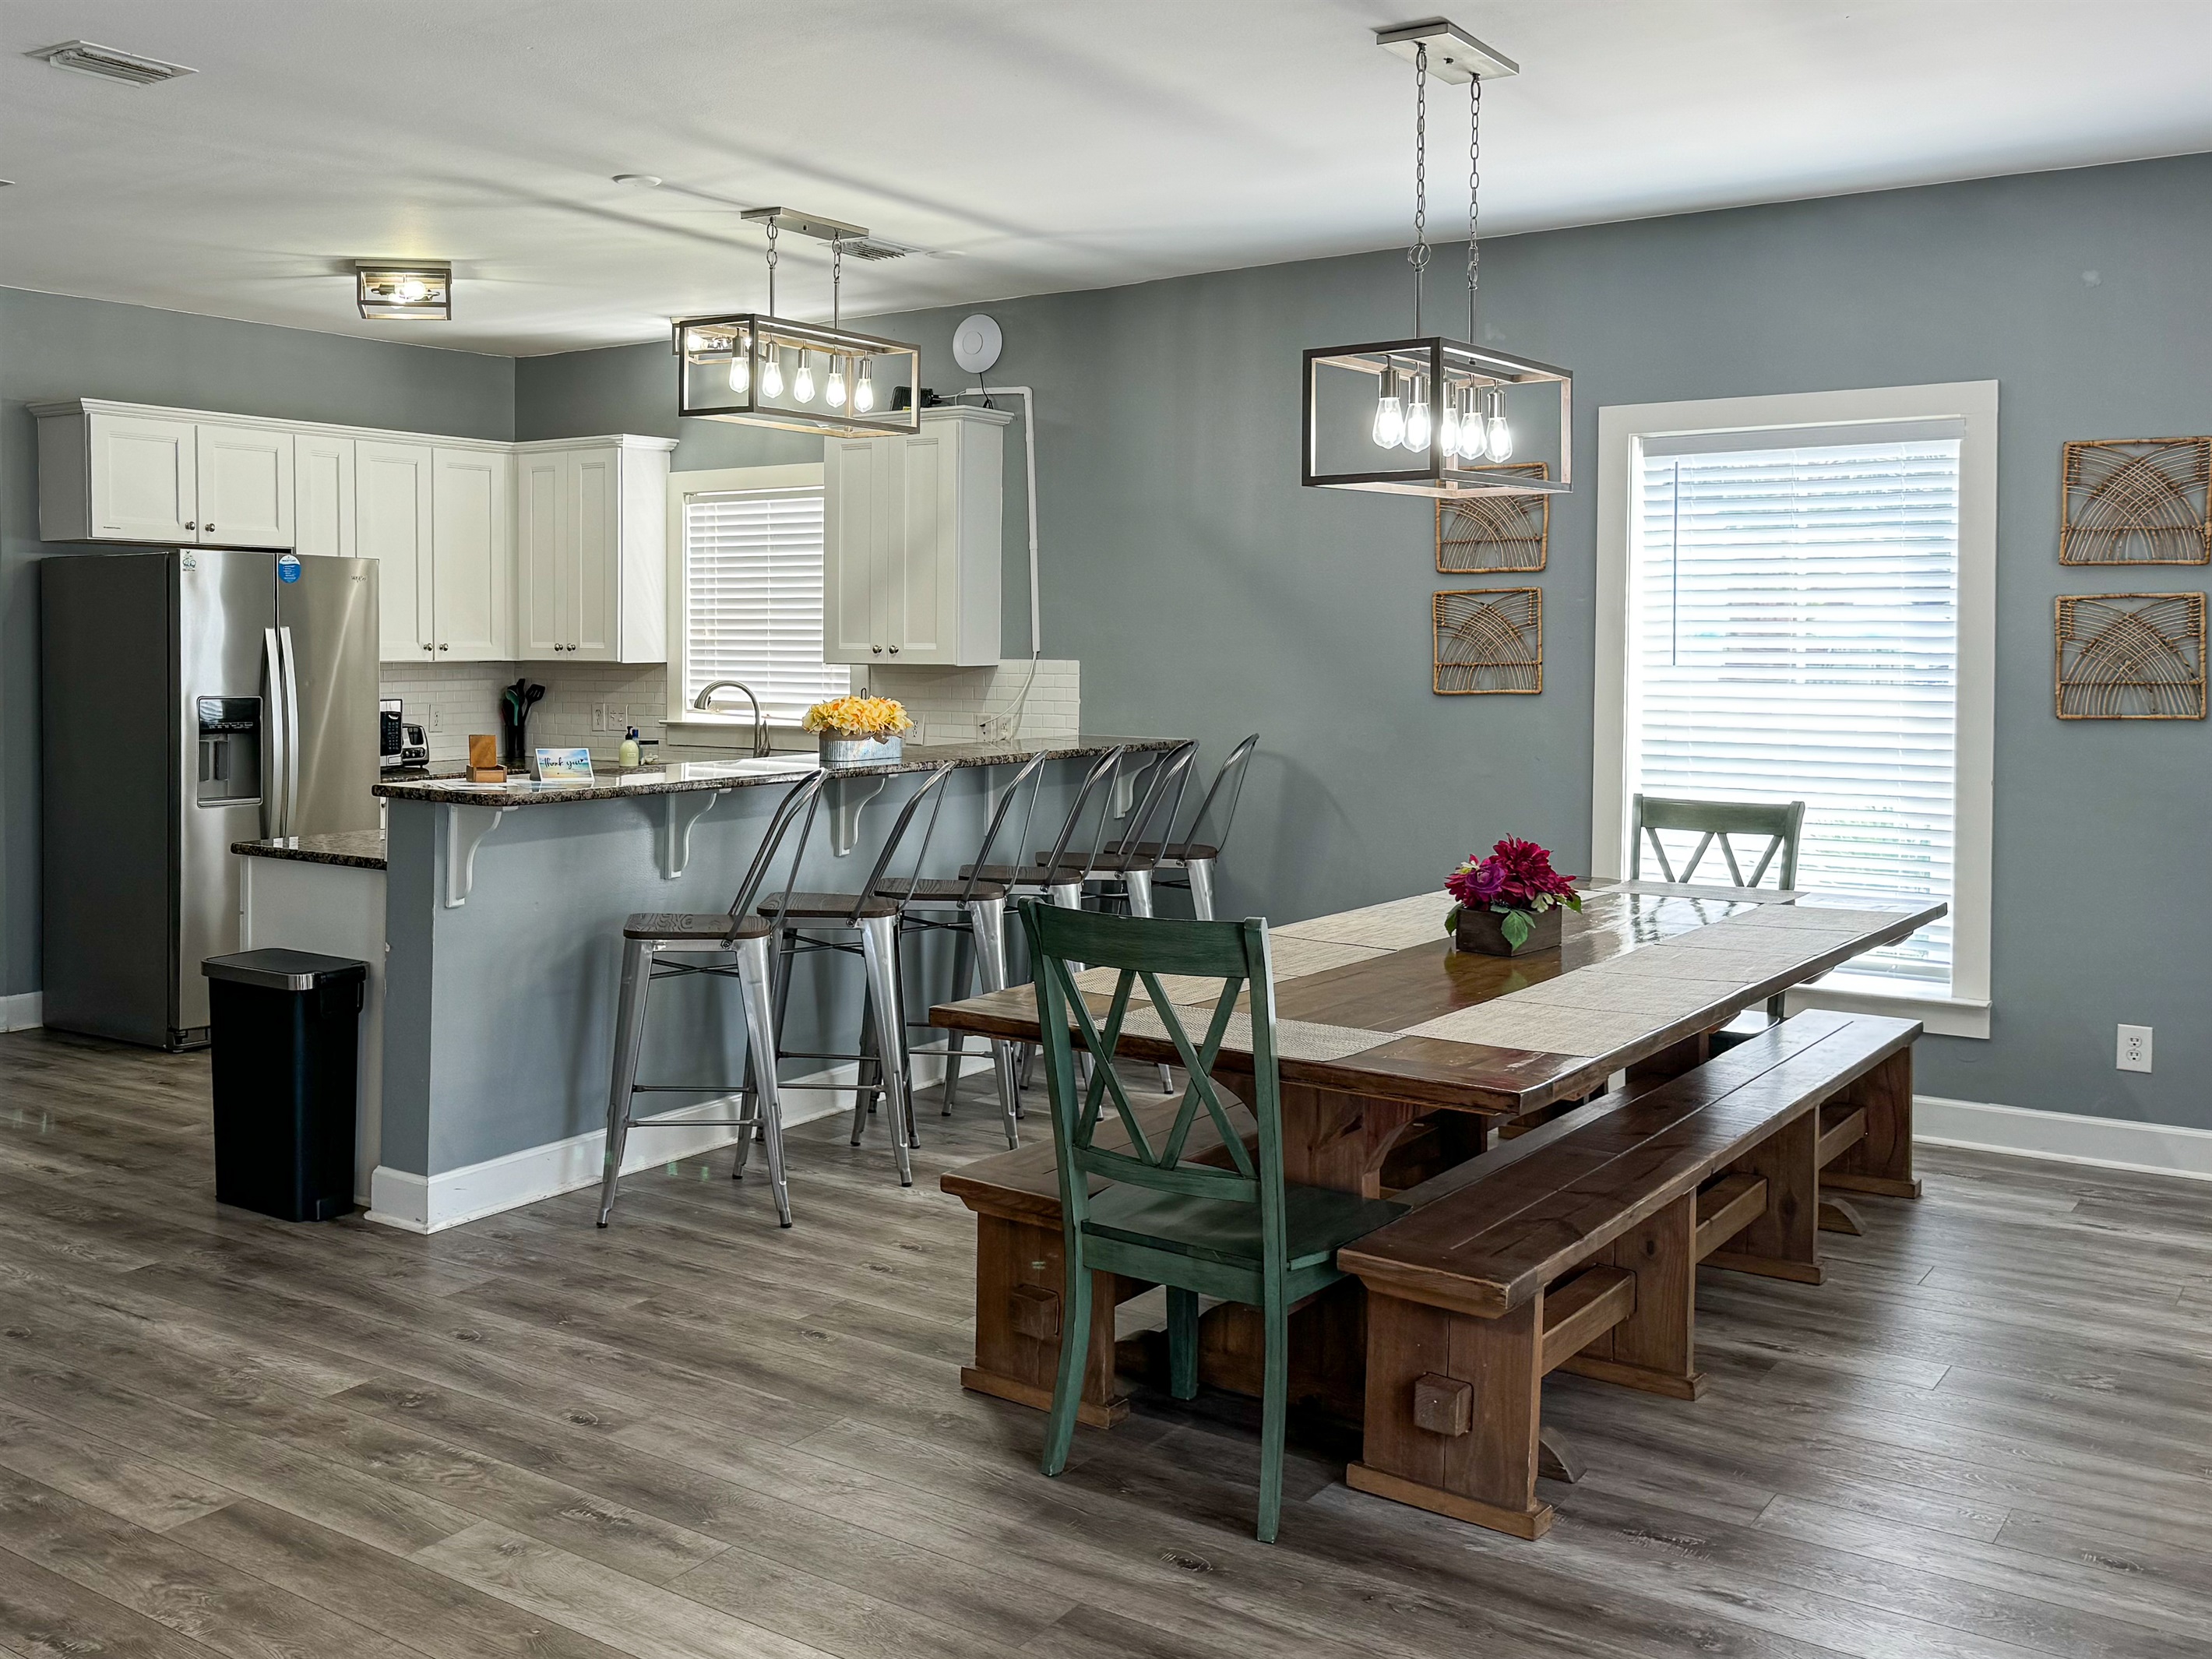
1622,428
708,730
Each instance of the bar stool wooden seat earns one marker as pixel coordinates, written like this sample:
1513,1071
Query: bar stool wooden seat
732,944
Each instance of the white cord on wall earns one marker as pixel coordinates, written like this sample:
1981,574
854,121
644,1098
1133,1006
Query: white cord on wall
1008,720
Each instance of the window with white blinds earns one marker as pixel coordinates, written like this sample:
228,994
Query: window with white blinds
752,599
1793,635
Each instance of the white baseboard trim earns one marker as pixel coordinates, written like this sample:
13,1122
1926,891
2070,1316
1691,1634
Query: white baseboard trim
429,1204
22,1012
2108,1143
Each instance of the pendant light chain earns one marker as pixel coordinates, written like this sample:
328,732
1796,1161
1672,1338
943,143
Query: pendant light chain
1417,255
1473,198
771,267
836,283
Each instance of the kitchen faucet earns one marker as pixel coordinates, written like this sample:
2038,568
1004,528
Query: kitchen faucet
705,701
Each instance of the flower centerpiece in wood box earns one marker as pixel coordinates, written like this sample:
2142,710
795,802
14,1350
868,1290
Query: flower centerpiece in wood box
858,730
1509,902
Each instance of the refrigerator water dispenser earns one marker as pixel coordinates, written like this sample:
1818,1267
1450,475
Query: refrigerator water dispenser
230,751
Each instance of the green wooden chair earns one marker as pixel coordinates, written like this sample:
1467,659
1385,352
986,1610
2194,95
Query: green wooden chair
1239,1232
1783,823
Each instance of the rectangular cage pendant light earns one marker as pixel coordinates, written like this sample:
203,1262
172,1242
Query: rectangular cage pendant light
1435,418
761,370
1429,416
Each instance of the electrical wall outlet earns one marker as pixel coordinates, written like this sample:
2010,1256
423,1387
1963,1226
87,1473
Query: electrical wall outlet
2134,1048
437,717
598,717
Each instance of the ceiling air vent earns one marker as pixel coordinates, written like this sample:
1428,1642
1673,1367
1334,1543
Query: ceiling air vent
861,247
108,63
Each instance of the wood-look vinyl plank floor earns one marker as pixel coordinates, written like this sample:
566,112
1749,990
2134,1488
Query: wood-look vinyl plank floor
695,1436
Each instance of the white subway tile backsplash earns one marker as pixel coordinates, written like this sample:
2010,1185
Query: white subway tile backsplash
953,705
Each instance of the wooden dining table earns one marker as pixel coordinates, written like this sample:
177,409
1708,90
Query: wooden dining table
1397,1053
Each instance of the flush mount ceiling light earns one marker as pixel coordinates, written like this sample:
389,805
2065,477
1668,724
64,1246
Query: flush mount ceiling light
1429,414
759,369
83,58
391,291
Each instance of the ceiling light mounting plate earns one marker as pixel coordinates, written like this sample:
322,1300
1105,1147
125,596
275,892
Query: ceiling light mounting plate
1455,57
818,226
85,58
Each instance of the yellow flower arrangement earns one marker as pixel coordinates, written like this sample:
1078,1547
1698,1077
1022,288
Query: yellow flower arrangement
858,717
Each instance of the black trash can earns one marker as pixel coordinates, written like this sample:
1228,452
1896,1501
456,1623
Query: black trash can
286,1040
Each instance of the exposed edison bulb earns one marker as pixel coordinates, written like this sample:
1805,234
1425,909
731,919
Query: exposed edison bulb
741,366
412,288
802,384
833,390
1499,434
1389,413
1447,425
772,371
1473,439
864,394
1418,423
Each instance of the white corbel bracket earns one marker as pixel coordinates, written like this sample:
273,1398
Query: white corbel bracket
847,796
678,812
1125,780
465,829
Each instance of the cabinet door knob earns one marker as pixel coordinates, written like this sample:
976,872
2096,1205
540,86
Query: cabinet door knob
189,524
894,651
445,647
877,649
426,647
210,526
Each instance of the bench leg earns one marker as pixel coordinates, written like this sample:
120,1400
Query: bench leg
1785,1241
1882,1162
1019,1277
1453,1413
1655,1348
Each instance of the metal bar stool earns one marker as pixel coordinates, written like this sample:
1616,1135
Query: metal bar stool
802,920
1128,864
658,945
1194,855
974,910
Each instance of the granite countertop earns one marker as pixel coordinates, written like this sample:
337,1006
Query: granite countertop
681,777
356,849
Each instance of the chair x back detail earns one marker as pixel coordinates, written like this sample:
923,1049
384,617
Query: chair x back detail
1236,1230
808,923
1714,821
973,909
1190,860
1783,823
732,944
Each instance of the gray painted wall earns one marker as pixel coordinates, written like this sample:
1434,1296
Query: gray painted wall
1205,592
52,346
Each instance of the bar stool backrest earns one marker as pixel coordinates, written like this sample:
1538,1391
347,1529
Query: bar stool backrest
1221,797
933,792
1030,777
1098,787
1781,822
1154,819
796,807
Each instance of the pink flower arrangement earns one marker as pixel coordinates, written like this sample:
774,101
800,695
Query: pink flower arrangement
1516,881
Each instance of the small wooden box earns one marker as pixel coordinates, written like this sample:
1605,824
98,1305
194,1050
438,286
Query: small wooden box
484,759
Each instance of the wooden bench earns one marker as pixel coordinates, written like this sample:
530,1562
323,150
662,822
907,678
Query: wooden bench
1585,1256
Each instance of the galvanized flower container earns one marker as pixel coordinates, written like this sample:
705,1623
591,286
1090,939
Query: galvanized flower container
841,750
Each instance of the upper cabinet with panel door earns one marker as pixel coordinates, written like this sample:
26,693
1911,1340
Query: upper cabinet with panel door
116,472
911,542
590,534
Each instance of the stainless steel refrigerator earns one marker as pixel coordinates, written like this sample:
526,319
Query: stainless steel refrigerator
189,698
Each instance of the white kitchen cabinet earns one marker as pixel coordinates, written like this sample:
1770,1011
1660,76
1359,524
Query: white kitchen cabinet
472,559
245,485
394,524
590,545
911,542
110,473
322,495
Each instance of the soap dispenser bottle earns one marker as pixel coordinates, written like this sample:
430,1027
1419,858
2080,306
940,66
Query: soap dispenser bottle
627,755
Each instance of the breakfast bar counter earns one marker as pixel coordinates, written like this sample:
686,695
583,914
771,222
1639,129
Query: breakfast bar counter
503,938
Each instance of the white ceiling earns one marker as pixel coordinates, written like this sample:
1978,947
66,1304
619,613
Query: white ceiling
1047,145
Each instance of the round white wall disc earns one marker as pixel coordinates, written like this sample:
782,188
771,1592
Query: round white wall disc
975,344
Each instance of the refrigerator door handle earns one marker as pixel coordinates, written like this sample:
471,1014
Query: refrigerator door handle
275,725
291,734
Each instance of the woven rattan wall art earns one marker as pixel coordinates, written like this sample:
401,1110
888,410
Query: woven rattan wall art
2136,500
1495,532
1487,640
2130,656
